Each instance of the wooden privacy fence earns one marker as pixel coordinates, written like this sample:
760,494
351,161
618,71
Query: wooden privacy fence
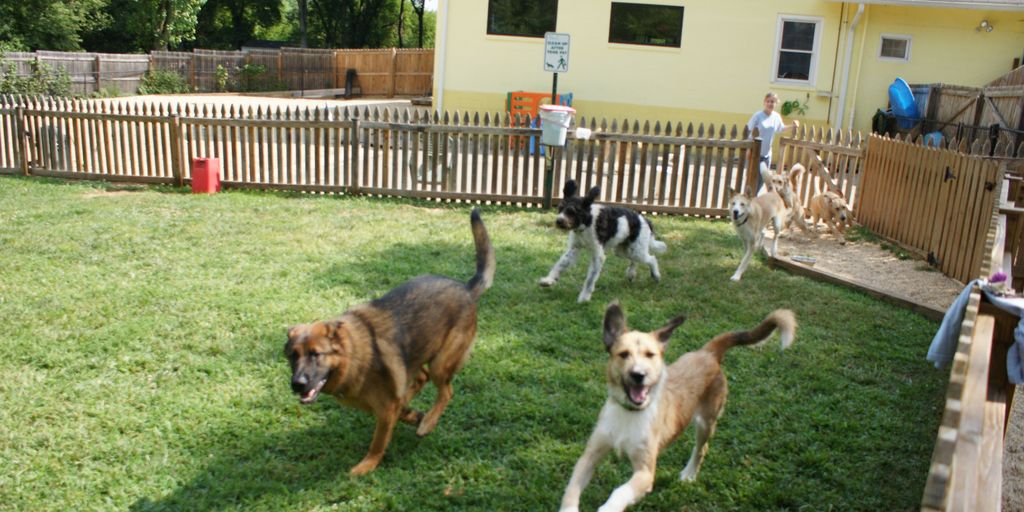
934,201
88,72
381,72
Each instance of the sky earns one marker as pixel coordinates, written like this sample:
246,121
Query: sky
431,5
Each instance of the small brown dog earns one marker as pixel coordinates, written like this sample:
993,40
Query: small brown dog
831,208
649,405
378,355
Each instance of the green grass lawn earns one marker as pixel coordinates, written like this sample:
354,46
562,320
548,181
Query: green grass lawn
141,363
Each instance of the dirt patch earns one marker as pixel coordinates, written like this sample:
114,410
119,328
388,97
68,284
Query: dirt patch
868,263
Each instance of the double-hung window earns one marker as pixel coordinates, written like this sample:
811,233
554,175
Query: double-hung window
796,49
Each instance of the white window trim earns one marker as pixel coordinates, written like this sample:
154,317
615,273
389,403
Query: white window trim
815,51
902,37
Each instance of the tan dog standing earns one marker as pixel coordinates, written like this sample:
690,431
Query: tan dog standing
650,404
378,355
750,218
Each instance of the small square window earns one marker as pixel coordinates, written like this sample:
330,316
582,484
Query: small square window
894,47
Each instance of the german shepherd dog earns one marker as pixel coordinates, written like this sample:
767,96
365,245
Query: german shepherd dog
597,228
750,217
378,355
650,404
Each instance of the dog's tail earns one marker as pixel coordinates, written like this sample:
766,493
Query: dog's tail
782,319
656,245
485,261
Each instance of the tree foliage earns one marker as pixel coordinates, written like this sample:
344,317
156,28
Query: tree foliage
135,26
49,24
229,24
143,25
352,23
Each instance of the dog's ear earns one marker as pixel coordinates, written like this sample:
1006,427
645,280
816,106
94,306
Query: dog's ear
289,344
570,189
593,194
333,332
747,192
666,330
614,324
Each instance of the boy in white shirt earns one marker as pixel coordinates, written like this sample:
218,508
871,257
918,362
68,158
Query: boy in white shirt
766,124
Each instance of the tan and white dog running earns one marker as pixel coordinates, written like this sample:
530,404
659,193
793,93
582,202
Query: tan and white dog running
650,404
750,217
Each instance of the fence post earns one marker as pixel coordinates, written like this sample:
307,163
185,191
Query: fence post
22,134
392,73
753,164
550,157
353,151
177,147
99,75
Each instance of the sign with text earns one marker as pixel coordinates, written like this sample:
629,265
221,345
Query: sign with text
556,52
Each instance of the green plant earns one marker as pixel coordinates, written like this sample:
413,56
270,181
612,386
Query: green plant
221,77
161,81
250,77
43,80
793,106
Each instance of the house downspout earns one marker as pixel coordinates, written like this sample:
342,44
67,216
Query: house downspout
846,65
442,50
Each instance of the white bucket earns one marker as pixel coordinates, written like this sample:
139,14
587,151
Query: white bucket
555,121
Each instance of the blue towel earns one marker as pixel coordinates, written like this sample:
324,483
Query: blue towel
943,346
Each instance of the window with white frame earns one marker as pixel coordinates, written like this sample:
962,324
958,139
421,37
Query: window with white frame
796,49
894,47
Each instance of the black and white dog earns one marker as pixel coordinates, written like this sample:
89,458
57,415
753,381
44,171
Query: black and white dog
598,228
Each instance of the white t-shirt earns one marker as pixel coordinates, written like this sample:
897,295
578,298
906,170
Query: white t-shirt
766,126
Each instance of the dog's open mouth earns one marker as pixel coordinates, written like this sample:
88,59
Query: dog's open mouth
637,393
310,396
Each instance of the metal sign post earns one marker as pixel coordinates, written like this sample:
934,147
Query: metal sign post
556,59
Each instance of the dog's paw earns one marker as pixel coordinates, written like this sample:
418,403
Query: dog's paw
570,509
546,281
735,278
687,477
363,467
584,297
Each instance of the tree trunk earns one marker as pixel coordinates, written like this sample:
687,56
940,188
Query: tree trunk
302,23
401,22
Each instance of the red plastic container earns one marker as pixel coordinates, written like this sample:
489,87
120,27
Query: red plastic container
205,175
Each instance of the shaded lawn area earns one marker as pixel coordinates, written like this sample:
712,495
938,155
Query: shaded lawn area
141,362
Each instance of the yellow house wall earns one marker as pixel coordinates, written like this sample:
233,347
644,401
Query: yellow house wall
944,48
724,67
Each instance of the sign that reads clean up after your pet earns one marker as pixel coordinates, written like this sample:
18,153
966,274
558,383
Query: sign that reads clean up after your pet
556,52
